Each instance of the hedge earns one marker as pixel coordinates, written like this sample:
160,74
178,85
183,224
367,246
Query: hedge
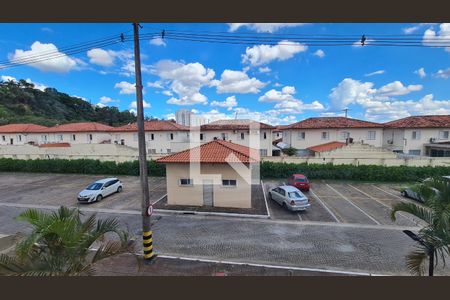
351,172
268,169
79,166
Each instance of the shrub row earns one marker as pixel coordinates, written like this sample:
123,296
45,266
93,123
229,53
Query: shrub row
350,172
79,166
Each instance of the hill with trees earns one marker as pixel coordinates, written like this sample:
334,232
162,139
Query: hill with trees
21,102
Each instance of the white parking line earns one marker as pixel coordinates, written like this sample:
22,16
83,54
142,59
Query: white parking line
353,204
389,193
324,206
300,217
265,199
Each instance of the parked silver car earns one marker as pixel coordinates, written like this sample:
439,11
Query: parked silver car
289,197
98,190
409,193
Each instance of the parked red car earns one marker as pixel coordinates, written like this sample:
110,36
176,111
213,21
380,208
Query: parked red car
300,181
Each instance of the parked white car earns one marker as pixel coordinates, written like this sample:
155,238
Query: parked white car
289,197
100,189
409,193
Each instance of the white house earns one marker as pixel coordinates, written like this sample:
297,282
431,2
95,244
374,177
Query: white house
419,135
244,132
316,131
162,137
20,134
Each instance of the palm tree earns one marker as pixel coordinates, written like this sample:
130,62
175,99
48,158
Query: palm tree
60,244
434,237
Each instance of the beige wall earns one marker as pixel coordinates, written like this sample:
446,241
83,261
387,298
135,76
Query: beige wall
17,138
257,138
239,196
402,138
313,137
161,143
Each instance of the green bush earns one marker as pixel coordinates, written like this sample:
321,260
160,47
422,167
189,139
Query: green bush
79,166
289,151
351,172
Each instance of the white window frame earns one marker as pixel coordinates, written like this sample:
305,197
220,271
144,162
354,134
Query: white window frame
416,150
224,136
73,137
417,132
4,138
19,137
151,151
344,135
265,135
374,135
135,137
441,133
301,135
242,136
202,136
190,182
229,185
263,152
327,135
169,150
151,137
60,137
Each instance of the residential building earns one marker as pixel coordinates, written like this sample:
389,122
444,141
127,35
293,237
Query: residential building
217,183
322,130
244,132
187,118
419,135
75,133
162,137
20,134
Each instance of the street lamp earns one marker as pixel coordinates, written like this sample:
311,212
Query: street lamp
430,249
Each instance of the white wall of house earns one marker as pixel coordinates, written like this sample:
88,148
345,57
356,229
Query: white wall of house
15,138
223,196
277,135
157,142
70,137
258,139
305,138
412,140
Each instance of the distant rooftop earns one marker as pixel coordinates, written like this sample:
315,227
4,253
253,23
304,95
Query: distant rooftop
234,124
431,121
332,122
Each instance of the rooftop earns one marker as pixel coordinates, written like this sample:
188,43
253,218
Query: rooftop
153,125
327,146
21,128
217,151
235,124
79,127
434,121
333,122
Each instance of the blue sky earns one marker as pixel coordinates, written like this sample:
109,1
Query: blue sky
277,84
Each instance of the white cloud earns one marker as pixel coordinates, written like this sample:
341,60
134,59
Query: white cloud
185,80
133,111
264,70
229,103
60,64
37,86
105,100
443,73
158,42
237,82
421,72
397,88
145,104
262,27
104,58
156,84
379,72
125,87
47,29
319,53
432,38
287,103
127,69
167,93
286,94
263,54
351,91
8,78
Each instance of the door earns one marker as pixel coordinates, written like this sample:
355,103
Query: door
208,193
11,141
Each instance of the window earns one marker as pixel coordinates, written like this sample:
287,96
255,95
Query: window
135,137
90,137
152,137
229,182
371,135
294,195
282,192
301,135
242,135
171,136
414,152
325,135
73,137
44,137
415,135
169,151
345,135
60,137
151,151
186,181
263,152
19,137
201,137
224,136
443,135
4,138
265,135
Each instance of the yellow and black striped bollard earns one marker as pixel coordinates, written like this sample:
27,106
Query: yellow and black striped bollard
149,254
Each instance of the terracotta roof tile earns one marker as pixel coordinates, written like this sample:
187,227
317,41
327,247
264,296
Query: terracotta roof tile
326,147
154,125
239,124
421,122
79,127
333,122
214,152
21,128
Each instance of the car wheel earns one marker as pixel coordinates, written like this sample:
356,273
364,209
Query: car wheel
404,194
119,189
283,205
99,198
270,196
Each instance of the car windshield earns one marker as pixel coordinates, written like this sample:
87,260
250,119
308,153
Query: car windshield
300,180
94,186
294,195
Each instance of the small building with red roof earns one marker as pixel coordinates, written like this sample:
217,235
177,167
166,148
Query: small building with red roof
419,135
20,134
323,130
161,137
207,175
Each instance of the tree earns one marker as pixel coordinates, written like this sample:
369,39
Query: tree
289,151
60,242
435,212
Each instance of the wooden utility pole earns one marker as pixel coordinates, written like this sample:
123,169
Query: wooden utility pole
145,204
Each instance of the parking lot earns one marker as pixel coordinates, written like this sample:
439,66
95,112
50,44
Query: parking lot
339,202
62,189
